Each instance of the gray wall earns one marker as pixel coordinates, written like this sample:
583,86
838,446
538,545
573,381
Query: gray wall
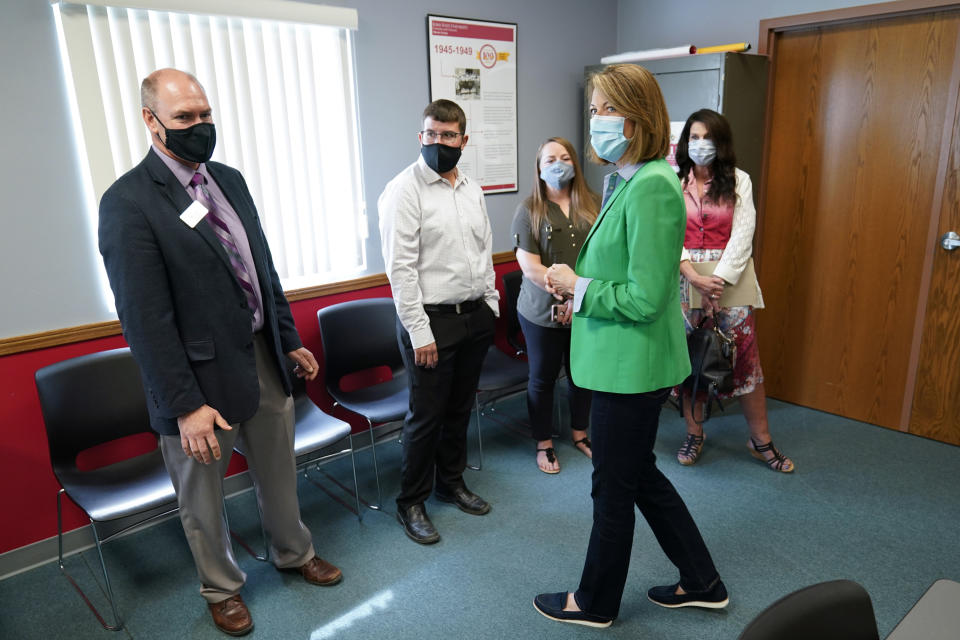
555,40
50,276
50,267
652,24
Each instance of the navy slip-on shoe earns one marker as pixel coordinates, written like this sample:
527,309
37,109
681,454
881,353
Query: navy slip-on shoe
551,606
713,598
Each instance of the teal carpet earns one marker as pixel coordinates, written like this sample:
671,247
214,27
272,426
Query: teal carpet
868,504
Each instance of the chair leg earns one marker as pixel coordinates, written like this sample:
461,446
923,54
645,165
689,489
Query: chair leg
263,537
376,467
356,485
315,466
476,405
262,557
117,622
376,470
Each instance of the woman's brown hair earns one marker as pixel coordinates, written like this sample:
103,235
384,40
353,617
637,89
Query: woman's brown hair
723,187
634,92
584,203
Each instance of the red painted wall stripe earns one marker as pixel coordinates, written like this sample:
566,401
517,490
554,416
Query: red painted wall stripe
477,31
29,488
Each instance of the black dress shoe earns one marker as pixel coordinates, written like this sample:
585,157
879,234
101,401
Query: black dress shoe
466,500
417,525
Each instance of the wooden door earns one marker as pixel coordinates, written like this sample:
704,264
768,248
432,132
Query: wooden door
936,398
857,125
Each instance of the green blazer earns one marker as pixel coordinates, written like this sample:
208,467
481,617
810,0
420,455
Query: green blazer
628,335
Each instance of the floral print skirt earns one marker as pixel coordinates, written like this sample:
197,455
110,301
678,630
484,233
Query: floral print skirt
734,321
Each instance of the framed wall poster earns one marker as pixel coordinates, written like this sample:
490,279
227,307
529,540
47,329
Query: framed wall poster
474,63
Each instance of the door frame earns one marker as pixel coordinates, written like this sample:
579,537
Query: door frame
767,45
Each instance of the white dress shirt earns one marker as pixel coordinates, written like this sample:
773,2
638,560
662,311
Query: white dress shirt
437,245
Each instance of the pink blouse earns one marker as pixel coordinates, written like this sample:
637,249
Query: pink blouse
708,223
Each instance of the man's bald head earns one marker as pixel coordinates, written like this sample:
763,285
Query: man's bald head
172,80
172,99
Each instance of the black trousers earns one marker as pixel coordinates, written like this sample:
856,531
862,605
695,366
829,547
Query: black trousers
548,348
435,427
624,428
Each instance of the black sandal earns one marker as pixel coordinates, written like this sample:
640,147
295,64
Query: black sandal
551,458
691,449
778,462
585,441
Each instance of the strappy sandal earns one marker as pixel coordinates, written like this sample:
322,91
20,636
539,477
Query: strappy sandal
585,441
690,450
551,458
778,462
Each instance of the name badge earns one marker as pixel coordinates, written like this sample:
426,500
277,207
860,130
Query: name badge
193,214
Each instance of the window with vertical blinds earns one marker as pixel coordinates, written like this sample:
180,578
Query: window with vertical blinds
284,102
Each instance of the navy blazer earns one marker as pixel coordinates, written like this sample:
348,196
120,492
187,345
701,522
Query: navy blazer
182,310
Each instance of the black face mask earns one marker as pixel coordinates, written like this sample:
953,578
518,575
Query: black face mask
440,157
193,144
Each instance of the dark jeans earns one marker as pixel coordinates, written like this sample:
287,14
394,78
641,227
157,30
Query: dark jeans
435,427
548,349
624,474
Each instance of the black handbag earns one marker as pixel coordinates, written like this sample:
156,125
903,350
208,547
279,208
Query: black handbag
712,357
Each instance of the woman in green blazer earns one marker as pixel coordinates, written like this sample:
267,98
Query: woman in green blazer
629,347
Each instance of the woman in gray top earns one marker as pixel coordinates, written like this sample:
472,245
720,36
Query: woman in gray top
550,227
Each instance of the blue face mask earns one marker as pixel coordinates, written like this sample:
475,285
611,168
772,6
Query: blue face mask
702,151
557,174
606,136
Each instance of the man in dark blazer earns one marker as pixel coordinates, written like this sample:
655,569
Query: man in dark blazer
205,316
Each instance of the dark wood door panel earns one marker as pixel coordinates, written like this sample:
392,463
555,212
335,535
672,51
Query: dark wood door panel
856,129
936,401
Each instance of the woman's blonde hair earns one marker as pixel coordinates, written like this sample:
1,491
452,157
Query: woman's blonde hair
584,203
634,92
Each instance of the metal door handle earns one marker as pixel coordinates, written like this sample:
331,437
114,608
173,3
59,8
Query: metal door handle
950,241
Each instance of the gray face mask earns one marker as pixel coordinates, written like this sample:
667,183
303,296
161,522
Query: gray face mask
702,151
557,174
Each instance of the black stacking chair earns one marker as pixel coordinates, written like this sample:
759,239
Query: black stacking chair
318,437
359,335
502,375
835,610
88,401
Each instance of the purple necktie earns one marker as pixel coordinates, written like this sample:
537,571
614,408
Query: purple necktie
220,229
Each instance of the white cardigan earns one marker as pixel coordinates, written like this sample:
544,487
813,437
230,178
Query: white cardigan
740,246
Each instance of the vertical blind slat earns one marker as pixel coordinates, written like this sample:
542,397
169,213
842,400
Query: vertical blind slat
285,115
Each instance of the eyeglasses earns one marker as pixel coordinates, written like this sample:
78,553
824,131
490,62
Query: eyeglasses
445,136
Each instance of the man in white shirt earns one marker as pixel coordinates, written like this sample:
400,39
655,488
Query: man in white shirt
436,242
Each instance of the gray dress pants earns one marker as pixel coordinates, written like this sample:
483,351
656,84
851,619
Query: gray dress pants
268,442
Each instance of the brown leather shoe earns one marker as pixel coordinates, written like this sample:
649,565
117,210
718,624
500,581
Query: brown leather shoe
232,616
320,572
